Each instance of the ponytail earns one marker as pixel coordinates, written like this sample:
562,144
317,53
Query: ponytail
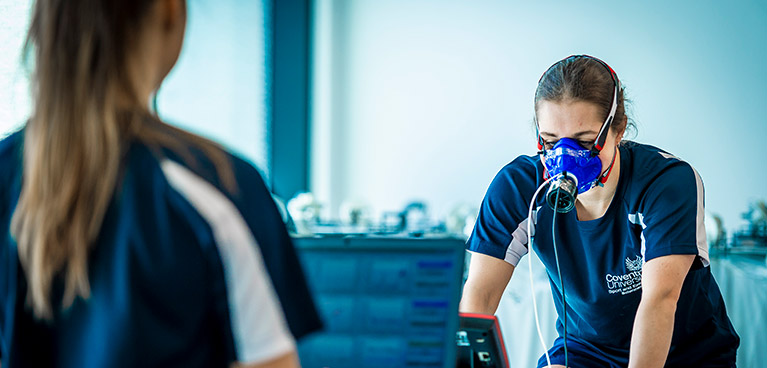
76,136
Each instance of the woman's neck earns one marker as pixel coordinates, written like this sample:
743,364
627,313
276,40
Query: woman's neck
594,203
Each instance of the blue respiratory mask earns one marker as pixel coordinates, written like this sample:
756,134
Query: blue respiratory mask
576,170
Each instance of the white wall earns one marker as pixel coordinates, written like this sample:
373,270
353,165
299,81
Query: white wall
430,98
218,87
14,96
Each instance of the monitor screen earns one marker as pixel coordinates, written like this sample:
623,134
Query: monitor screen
385,301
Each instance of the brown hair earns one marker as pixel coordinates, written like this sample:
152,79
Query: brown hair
77,135
583,78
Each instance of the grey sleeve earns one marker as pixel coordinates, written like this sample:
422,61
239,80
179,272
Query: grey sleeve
518,246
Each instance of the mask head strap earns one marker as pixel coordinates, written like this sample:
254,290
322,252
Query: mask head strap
602,136
605,175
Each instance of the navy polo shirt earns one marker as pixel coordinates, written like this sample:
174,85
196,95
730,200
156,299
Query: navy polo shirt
183,273
657,210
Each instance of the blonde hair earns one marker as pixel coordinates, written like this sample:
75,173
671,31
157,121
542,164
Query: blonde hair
77,135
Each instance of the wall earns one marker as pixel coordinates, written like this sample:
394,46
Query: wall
218,87
429,99
14,97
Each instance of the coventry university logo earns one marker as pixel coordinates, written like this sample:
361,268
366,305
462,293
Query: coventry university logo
634,264
628,282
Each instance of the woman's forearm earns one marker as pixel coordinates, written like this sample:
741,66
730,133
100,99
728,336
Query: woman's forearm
651,337
662,280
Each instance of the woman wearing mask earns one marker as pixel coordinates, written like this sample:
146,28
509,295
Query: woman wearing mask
628,263
125,242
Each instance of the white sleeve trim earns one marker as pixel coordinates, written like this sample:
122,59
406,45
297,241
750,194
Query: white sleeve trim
257,320
638,219
700,233
700,228
518,246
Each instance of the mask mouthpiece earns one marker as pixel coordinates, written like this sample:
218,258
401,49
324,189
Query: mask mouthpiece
562,193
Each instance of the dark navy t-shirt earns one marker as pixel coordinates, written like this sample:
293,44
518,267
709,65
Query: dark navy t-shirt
183,274
657,210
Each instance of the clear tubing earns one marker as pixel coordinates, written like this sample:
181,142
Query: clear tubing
530,267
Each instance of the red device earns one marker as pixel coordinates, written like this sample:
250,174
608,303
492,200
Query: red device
480,343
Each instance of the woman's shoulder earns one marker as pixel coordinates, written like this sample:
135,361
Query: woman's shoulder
650,162
189,185
652,168
10,158
520,177
10,148
523,166
225,170
228,176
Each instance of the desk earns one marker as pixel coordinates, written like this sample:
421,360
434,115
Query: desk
742,279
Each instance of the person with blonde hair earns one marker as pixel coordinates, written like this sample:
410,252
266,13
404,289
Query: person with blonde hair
125,242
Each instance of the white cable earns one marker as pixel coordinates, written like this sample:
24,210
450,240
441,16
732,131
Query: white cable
530,267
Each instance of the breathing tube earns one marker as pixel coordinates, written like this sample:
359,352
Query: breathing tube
556,257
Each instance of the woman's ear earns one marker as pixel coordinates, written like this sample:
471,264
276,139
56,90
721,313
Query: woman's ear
619,135
172,13
166,35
